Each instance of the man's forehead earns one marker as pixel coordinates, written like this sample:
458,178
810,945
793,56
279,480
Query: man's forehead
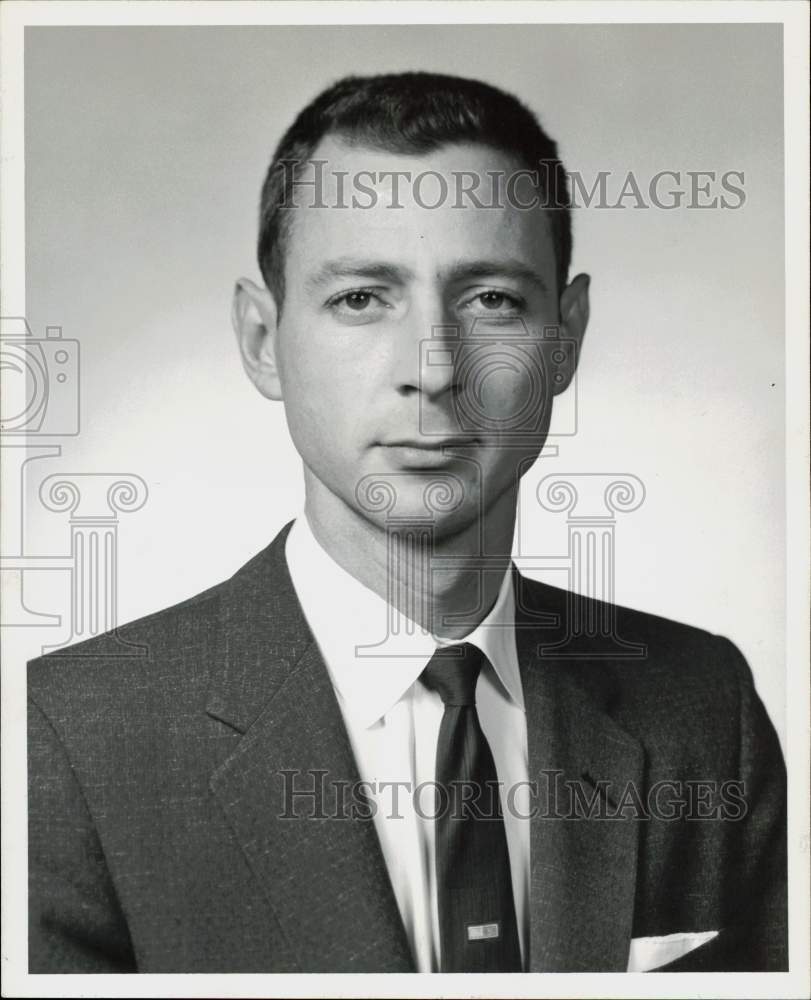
461,174
434,202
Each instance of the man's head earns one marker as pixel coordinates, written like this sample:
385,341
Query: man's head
416,331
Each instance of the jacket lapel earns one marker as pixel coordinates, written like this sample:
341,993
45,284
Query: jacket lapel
583,870
323,871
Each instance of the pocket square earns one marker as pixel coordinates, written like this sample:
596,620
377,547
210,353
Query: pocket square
652,952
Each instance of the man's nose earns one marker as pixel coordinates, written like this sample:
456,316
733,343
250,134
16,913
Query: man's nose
427,358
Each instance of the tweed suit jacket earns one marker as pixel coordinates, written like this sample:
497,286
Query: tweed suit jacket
160,838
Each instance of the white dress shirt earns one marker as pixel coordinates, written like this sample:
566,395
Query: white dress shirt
393,724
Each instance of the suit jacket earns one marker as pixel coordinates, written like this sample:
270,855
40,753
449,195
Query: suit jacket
158,840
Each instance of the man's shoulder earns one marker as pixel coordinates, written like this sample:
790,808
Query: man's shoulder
683,692
171,645
540,596
626,647
129,656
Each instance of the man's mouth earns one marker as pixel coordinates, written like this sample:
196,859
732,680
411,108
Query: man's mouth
417,454
432,443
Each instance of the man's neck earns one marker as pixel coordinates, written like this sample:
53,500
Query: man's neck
441,587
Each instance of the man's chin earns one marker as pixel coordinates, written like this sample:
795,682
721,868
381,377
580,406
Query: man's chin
446,497
414,527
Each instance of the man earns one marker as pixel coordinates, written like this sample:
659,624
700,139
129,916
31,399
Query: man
377,747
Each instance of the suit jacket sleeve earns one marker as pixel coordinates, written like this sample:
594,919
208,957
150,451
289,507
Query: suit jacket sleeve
764,834
75,921
756,939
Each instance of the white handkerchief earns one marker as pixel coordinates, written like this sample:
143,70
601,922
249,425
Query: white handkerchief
652,952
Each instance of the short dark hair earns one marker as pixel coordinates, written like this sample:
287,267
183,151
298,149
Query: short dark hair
411,113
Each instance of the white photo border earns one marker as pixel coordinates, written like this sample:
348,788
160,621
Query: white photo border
15,15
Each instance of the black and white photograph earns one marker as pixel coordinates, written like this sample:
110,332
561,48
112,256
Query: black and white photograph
405,499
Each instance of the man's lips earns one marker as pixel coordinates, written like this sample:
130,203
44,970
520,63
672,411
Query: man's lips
430,444
426,453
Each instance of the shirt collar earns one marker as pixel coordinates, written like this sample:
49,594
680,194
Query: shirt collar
351,623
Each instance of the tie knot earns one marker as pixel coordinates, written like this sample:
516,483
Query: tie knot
453,671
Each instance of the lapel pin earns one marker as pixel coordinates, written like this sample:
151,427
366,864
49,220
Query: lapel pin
481,932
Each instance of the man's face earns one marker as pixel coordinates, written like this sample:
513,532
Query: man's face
411,347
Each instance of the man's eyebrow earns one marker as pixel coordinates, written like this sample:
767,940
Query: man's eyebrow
354,267
508,268
375,270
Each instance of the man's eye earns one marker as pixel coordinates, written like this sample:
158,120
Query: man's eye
361,302
495,302
356,300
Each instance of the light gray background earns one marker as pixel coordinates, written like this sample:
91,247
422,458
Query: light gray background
145,151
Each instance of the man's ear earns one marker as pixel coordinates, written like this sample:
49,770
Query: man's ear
574,317
254,318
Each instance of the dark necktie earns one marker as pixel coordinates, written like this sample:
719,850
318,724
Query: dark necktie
478,931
